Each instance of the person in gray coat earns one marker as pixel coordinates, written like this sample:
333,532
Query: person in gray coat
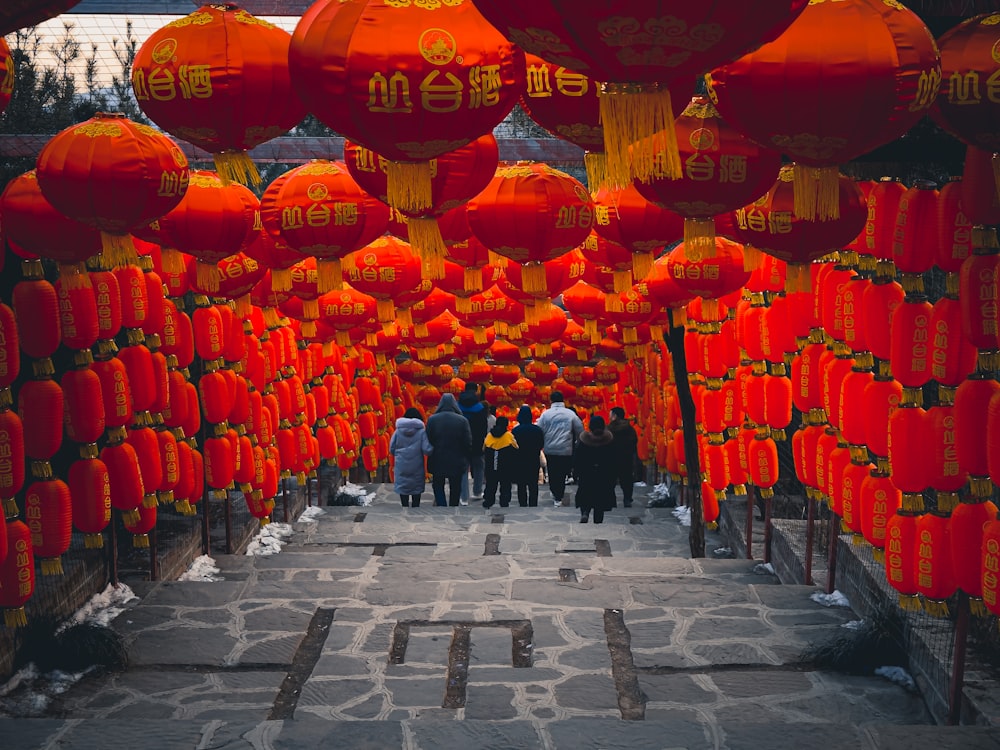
409,445
451,436
561,428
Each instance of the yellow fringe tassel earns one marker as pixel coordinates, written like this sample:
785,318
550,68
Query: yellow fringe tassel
622,280
630,116
710,309
699,239
753,258
909,603
51,566
472,280
630,336
93,541
581,355
612,303
533,278
542,349
118,250
281,279
408,187
371,339
310,309
463,305
343,338
404,317
327,348
329,276
495,259
936,607
207,277
797,278
642,265
74,276
532,314
596,164
432,269
590,328
816,192
271,317
385,310
236,166
172,260
15,618
242,306
479,335
420,330
427,243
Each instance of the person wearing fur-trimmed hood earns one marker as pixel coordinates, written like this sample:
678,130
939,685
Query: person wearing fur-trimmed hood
408,446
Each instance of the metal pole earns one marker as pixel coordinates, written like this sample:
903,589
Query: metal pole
749,529
206,537
958,661
831,553
767,529
154,563
810,533
113,553
229,523
284,497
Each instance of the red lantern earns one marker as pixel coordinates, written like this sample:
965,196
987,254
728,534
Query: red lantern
318,209
792,94
454,79
977,291
17,574
972,408
130,173
90,490
84,405
383,269
531,213
911,334
147,450
219,79
968,526
712,276
125,478
40,408
900,557
143,522
762,458
915,239
879,502
935,572
48,511
36,307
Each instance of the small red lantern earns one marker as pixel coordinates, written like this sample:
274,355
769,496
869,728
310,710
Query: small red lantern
17,574
84,405
900,556
90,490
125,478
48,511
40,408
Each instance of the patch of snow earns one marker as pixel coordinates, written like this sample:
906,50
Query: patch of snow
356,490
102,608
660,492
311,514
683,514
763,569
898,675
853,624
836,599
202,568
269,540
639,484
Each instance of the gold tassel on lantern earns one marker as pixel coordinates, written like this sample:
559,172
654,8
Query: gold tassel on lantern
281,279
590,328
642,265
428,244
463,305
472,280
817,192
699,238
385,310
329,276
797,278
309,329
118,250
172,260
622,281
207,277
74,276
479,335
404,318
596,164
753,258
630,115
236,166
408,186
542,349
533,278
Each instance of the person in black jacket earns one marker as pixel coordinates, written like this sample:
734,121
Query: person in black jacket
448,431
476,410
594,462
499,450
626,443
527,460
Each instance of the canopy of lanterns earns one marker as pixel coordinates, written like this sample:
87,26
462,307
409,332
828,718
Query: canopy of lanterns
185,331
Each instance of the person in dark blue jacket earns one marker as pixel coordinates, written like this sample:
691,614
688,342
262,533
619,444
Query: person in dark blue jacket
448,433
527,459
476,410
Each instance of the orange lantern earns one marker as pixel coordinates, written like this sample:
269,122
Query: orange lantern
792,94
383,269
977,289
36,307
968,524
910,350
125,478
219,79
346,309
935,572
17,574
709,277
972,408
40,408
879,502
130,174
531,213
140,525
84,405
900,556
318,209
454,78
991,565
634,69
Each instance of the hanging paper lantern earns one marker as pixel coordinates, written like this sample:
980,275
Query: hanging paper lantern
90,491
628,218
968,524
721,171
771,225
634,51
384,268
125,478
935,572
48,513
453,79
40,408
794,94
141,525
977,295
531,213
17,574
11,459
219,79
879,502
972,406
130,174
711,276
84,405
318,209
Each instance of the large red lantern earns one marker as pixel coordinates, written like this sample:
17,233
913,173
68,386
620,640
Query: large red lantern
384,269
531,213
318,209
626,217
721,170
114,175
218,78
796,95
635,50
410,81
711,276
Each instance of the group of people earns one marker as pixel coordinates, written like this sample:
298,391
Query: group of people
462,438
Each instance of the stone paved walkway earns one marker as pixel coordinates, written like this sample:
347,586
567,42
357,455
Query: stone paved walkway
384,627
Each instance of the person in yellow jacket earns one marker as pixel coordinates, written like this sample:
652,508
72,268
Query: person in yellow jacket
498,451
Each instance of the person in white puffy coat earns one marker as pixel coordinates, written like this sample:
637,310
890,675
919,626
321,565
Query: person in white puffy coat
561,428
409,445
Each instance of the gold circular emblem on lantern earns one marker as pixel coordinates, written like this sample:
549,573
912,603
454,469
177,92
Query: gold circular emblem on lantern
317,191
164,51
437,46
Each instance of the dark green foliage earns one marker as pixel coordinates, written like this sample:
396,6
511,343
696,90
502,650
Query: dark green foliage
878,642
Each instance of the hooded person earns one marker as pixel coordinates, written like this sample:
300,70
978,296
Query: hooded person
626,444
594,463
477,411
449,434
408,446
499,450
528,458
